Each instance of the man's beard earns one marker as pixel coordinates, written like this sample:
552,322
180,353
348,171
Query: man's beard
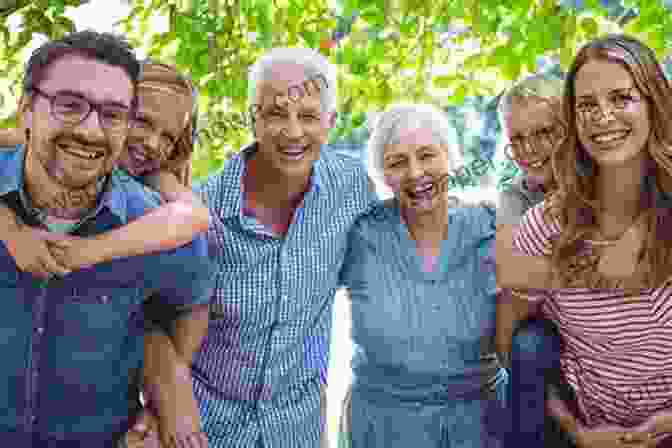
54,190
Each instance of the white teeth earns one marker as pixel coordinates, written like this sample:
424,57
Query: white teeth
294,152
84,154
610,137
423,188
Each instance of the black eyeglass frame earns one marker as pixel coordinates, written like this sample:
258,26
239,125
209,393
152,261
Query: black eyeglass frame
98,107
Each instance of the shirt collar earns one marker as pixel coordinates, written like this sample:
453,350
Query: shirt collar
11,171
232,179
11,180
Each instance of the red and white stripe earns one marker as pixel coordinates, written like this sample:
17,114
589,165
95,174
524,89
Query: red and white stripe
617,346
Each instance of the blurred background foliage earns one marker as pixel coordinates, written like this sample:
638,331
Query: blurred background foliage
457,54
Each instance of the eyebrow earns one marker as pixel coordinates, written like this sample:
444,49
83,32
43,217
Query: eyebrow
619,90
82,96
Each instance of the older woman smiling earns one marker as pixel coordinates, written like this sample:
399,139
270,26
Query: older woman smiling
423,298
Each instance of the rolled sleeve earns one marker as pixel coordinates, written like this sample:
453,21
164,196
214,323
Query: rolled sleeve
187,282
483,223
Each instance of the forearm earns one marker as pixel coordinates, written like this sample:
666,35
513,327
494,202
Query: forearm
516,270
510,311
164,351
179,220
167,375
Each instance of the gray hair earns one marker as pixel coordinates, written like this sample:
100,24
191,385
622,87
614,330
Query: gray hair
314,64
545,86
404,116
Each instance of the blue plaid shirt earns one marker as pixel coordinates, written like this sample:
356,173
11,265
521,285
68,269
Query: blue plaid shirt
259,372
68,345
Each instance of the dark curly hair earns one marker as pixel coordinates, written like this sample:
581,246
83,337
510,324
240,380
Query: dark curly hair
105,47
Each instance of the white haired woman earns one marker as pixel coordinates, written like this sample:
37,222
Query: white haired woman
423,298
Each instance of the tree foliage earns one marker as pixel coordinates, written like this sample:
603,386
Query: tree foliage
448,52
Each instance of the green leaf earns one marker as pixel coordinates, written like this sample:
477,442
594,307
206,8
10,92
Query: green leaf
377,52
446,81
590,27
460,94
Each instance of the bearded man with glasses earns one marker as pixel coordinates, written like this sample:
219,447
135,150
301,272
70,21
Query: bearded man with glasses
78,338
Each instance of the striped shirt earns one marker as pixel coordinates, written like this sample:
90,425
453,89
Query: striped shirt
617,346
259,372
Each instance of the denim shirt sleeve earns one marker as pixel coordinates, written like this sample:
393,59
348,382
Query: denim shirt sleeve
181,277
349,261
483,223
193,279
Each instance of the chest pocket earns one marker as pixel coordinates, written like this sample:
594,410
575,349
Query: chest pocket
97,310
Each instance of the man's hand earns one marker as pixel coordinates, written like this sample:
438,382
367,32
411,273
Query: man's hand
30,249
144,433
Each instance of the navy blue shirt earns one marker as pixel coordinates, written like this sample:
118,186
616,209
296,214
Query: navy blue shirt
69,345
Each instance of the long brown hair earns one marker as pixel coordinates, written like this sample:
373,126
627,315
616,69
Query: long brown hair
574,203
170,78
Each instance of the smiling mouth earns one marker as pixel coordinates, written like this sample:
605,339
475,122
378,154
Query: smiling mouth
611,137
424,191
294,152
80,152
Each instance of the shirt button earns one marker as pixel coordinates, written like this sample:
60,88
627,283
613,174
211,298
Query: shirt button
104,299
33,418
40,330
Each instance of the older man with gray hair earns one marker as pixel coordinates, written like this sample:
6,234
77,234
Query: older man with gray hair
281,211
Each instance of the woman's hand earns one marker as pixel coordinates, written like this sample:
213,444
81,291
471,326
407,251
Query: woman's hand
607,436
31,250
654,430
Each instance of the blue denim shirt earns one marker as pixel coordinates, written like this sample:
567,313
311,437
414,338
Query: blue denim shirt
68,345
423,341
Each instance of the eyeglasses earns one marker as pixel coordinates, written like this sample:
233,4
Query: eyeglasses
618,101
72,109
535,149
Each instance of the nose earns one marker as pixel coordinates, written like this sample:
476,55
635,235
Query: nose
91,127
151,140
414,171
606,112
293,129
